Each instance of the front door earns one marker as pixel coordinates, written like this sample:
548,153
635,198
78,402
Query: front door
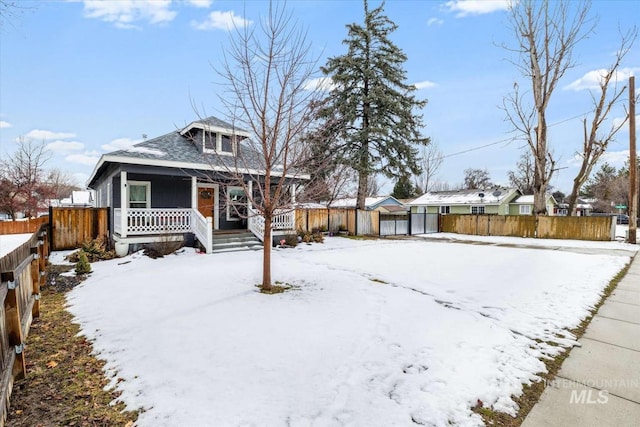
206,201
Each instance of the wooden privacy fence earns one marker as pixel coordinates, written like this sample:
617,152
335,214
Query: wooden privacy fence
356,222
546,227
22,226
72,226
22,273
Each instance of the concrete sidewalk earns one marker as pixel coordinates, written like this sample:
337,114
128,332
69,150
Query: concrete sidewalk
599,383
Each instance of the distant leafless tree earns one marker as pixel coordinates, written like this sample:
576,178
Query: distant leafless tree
373,186
265,70
61,184
24,180
545,35
430,162
522,178
595,143
476,179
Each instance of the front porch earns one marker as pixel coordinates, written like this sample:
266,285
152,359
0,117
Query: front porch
137,226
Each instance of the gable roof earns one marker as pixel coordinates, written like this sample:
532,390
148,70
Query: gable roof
369,202
174,150
466,197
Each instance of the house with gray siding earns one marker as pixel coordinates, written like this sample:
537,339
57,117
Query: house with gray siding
190,182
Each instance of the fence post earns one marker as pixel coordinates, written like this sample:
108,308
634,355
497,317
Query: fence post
409,231
36,251
13,324
356,221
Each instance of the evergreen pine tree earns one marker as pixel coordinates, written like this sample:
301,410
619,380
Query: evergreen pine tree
83,266
404,188
370,110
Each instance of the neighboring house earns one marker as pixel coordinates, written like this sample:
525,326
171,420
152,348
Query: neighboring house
583,207
489,201
82,199
384,204
182,183
523,205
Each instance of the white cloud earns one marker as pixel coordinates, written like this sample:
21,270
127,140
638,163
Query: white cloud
426,84
4,124
221,21
200,3
81,178
615,158
591,80
434,21
65,146
321,83
120,144
39,134
475,7
617,121
89,158
125,13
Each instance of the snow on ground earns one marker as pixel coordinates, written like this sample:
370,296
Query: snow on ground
8,242
548,243
375,332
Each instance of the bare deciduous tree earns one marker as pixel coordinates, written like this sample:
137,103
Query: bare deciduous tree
595,143
265,70
373,186
522,177
476,179
430,162
24,185
545,34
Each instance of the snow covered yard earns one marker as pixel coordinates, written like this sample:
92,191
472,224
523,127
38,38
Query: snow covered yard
374,333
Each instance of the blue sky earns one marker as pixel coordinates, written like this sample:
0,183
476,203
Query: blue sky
89,77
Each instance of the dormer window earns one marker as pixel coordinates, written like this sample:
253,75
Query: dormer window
226,146
210,136
209,142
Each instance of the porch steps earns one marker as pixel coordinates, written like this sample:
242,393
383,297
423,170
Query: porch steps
235,242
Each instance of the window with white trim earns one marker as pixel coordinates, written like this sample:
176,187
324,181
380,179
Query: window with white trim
525,209
236,204
477,210
445,209
210,141
139,194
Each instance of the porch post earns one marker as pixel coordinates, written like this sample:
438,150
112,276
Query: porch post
250,195
123,204
292,188
194,192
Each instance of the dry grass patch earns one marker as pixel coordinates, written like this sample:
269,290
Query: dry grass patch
65,383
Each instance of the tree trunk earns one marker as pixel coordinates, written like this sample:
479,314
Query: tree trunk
541,179
266,255
572,203
362,190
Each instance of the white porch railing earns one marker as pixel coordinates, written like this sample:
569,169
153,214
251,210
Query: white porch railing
282,220
203,229
255,223
167,221
158,221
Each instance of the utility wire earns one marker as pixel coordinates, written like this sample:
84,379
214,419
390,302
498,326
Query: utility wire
507,140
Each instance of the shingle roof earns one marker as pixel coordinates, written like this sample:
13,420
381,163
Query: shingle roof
173,147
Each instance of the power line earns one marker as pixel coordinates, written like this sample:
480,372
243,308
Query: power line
507,140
